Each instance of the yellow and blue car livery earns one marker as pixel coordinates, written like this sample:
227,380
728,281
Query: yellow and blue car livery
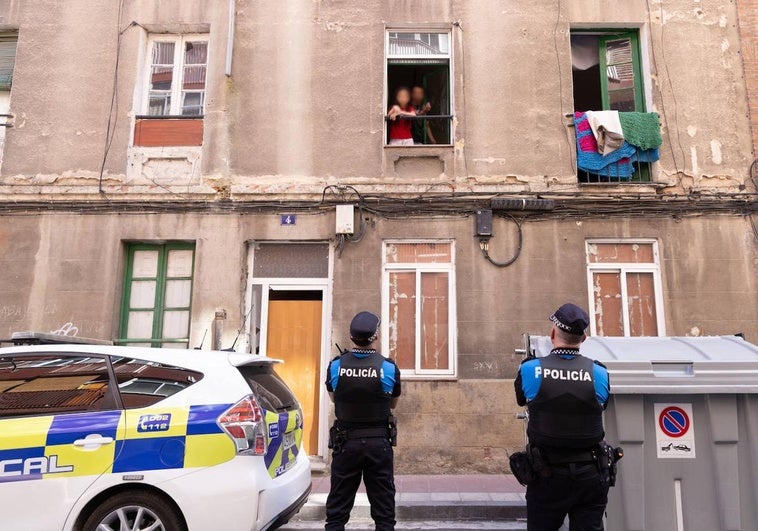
285,435
178,448
155,439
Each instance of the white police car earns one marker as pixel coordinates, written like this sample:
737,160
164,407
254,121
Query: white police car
114,438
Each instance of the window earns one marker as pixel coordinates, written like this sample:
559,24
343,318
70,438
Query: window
176,80
607,75
144,383
421,61
625,288
47,384
157,295
418,306
7,60
174,101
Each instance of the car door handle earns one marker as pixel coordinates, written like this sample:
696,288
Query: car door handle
93,441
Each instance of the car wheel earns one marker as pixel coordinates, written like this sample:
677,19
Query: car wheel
135,511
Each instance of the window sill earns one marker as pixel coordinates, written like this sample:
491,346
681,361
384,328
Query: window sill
169,117
427,378
437,147
621,186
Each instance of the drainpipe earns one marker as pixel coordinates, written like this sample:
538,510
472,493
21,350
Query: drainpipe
230,39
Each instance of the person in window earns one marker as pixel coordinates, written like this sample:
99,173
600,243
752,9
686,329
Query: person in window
400,128
421,127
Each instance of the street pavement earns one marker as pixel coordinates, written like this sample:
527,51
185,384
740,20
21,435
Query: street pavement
441,502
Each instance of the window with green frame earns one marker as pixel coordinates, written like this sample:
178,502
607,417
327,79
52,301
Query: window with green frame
607,75
157,298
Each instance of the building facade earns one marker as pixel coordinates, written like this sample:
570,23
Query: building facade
171,175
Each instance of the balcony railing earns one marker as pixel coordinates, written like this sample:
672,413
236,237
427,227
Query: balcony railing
618,172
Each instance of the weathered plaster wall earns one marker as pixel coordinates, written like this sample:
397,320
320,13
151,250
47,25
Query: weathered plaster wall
305,102
747,11
60,268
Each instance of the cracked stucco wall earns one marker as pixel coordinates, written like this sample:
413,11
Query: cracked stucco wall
61,268
304,104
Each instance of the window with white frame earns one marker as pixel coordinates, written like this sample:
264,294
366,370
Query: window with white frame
177,66
418,307
624,280
421,62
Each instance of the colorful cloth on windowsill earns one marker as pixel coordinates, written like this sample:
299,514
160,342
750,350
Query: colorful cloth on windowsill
641,129
617,164
646,155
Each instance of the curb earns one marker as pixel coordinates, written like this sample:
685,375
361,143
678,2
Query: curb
436,506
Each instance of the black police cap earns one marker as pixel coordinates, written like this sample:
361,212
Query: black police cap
571,319
364,326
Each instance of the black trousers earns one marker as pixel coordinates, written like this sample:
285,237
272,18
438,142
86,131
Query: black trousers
373,460
579,491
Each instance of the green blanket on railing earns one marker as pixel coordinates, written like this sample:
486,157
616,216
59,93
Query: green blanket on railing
641,129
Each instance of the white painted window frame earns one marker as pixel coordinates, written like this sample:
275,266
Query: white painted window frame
178,72
419,269
451,72
623,268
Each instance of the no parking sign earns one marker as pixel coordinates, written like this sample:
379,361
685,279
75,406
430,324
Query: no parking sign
674,431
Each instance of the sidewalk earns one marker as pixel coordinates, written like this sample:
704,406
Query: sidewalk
435,497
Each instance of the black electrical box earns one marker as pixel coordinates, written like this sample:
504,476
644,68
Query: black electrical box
484,222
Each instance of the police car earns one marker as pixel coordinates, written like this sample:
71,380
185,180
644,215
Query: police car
104,438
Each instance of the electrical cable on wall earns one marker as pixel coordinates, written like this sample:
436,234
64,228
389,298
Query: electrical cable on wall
566,133
664,114
751,175
110,129
343,239
484,245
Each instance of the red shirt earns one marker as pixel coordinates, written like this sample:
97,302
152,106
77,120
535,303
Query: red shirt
400,129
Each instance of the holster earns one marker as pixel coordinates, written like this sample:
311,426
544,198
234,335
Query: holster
608,457
337,438
539,462
392,425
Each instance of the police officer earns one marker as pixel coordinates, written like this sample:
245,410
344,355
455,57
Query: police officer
365,387
566,394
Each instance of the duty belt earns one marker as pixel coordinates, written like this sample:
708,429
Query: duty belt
367,433
568,457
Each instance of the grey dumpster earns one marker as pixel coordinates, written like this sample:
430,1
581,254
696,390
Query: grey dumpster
685,411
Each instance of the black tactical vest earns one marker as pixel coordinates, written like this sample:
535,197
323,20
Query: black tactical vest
359,398
565,413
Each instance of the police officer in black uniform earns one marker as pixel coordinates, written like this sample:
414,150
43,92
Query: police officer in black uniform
566,394
365,387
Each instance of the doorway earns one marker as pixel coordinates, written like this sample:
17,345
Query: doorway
294,335
288,317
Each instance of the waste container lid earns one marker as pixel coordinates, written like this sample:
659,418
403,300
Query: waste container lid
671,365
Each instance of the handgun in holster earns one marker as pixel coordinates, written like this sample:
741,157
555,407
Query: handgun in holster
608,458
538,461
337,438
392,426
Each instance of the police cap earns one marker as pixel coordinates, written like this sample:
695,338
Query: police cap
571,319
364,327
